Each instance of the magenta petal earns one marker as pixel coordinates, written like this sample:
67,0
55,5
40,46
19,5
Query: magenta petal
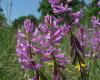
28,25
35,49
58,9
59,56
19,33
43,27
99,3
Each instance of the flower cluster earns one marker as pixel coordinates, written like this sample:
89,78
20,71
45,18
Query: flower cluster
43,42
95,21
23,48
59,7
95,40
48,36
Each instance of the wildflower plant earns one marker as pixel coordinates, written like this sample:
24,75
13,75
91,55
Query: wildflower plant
38,45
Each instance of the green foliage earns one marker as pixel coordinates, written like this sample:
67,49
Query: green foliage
77,4
2,18
19,22
1,10
45,7
90,10
9,68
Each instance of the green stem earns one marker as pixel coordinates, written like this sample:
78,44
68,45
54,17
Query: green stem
57,67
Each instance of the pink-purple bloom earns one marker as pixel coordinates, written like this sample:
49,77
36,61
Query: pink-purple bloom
77,16
95,44
83,37
28,25
95,21
99,3
23,53
58,9
23,47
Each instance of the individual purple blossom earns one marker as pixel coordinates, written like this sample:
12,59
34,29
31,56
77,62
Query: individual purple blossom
95,21
43,27
66,29
95,44
99,3
59,56
20,34
59,9
49,19
61,60
59,33
77,16
28,25
52,21
41,39
99,12
82,35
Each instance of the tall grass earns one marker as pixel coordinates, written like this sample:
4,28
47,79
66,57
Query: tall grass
9,68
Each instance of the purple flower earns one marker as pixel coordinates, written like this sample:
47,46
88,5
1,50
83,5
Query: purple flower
58,9
23,53
99,12
77,16
21,34
43,27
99,3
49,19
48,40
95,44
59,56
36,50
28,25
82,35
65,29
52,21
95,21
